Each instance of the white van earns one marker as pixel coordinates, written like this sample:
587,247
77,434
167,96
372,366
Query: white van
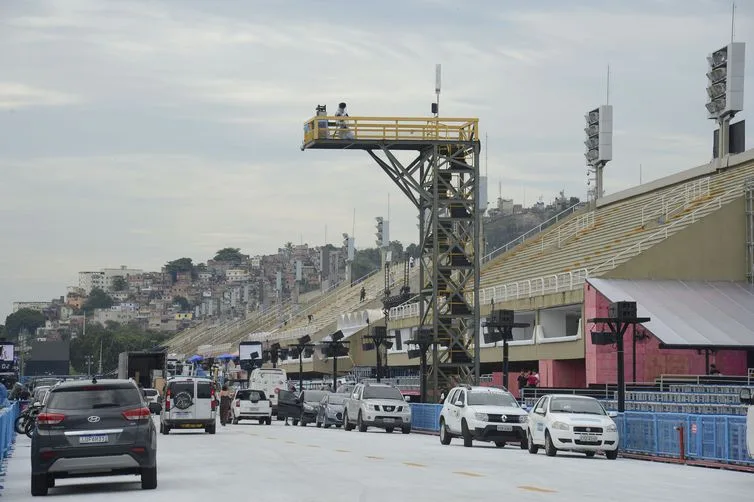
271,381
189,404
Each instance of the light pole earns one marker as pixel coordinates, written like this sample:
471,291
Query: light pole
304,345
423,340
335,347
502,324
378,339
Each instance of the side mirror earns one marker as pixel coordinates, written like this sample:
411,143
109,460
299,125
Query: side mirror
459,403
746,396
407,398
612,414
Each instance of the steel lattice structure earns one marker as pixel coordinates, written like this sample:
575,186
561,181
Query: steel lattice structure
442,181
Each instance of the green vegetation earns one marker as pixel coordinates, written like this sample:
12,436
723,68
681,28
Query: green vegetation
229,255
183,302
120,283
114,339
180,265
97,299
24,319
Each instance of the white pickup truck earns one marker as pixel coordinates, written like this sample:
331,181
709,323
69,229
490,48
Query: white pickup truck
747,397
251,405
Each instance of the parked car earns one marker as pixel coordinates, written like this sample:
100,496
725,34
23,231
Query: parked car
377,405
189,404
310,402
153,399
331,410
93,428
251,405
482,414
573,423
289,406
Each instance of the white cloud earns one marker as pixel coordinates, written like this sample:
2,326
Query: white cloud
14,96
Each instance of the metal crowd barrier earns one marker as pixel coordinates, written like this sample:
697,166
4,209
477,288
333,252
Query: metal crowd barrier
713,438
7,433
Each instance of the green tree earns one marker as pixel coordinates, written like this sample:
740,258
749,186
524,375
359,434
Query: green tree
185,305
180,265
365,261
23,319
113,338
229,255
97,299
120,283
413,250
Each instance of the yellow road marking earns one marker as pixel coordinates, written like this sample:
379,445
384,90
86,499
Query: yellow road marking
537,489
291,442
313,445
252,433
269,437
469,474
343,451
413,464
375,458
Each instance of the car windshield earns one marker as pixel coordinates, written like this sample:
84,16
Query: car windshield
485,398
314,396
93,397
382,393
337,399
574,405
176,388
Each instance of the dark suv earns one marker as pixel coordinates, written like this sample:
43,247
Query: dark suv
93,428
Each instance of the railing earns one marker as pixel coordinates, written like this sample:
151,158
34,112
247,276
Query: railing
7,432
405,311
675,200
554,283
325,128
665,232
534,231
569,230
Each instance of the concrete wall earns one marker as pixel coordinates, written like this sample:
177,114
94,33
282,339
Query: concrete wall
651,361
562,373
711,249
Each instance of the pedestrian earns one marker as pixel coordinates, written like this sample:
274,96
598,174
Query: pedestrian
363,293
522,381
310,318
713,370
224,405
533,379
343,131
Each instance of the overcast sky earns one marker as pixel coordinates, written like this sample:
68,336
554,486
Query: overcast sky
136,132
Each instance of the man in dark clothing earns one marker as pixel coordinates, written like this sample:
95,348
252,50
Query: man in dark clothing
225,401
522,380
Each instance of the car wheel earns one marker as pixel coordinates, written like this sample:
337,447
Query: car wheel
20,424
406,429
338,425
589,454
39,485
611,454
29,429
550,449
269,421
444,434
327,426
533,449
389,430
468,441
347,423
261,421
149,478
295,422
523,444
235,421
319,424
360,422
211,429
500,444
50,481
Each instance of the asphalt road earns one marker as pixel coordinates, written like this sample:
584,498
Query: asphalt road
296,464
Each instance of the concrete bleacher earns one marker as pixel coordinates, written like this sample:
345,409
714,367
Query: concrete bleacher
591,243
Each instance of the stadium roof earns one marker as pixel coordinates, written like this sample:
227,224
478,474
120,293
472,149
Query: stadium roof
689,315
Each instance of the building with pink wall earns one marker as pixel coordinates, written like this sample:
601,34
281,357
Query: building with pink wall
651,360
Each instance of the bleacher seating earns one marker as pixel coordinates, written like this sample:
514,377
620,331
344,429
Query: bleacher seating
617,228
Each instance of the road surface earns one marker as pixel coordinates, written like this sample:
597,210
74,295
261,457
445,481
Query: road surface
281,464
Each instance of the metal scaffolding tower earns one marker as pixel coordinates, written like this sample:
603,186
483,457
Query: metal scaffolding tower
442,181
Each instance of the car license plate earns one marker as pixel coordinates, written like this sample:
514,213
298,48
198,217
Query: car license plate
388,420
591,438
93,439
182,414
253,408
504,428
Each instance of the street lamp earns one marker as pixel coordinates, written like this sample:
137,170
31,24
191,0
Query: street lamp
599,142
378,339
500,326
304,348
725,89
335,348
423,340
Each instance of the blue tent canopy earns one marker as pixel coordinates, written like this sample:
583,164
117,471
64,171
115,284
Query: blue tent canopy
195,359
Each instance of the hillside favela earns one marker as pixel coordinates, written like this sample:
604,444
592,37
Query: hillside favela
307,251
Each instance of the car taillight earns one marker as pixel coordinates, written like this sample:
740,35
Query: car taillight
50,418
137,414
277,390
238,403
167,401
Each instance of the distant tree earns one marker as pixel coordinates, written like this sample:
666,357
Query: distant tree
180,265
289,247
229,255
573,201
201,267
97,299
120,283
185,305
396,247
413,250
366,261
23,319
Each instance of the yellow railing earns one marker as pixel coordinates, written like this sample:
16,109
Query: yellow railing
321,128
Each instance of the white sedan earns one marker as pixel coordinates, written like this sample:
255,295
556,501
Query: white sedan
573,423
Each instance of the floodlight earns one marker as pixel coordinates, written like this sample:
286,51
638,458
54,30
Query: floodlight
414,353
725,81
304,339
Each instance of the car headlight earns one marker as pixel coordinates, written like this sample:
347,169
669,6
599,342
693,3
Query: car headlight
562,426
523,419
611,428
370,407
482,417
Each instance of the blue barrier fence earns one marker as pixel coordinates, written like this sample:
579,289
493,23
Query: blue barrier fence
7,433
714,438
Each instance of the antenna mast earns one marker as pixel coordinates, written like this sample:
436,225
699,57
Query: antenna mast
438,81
